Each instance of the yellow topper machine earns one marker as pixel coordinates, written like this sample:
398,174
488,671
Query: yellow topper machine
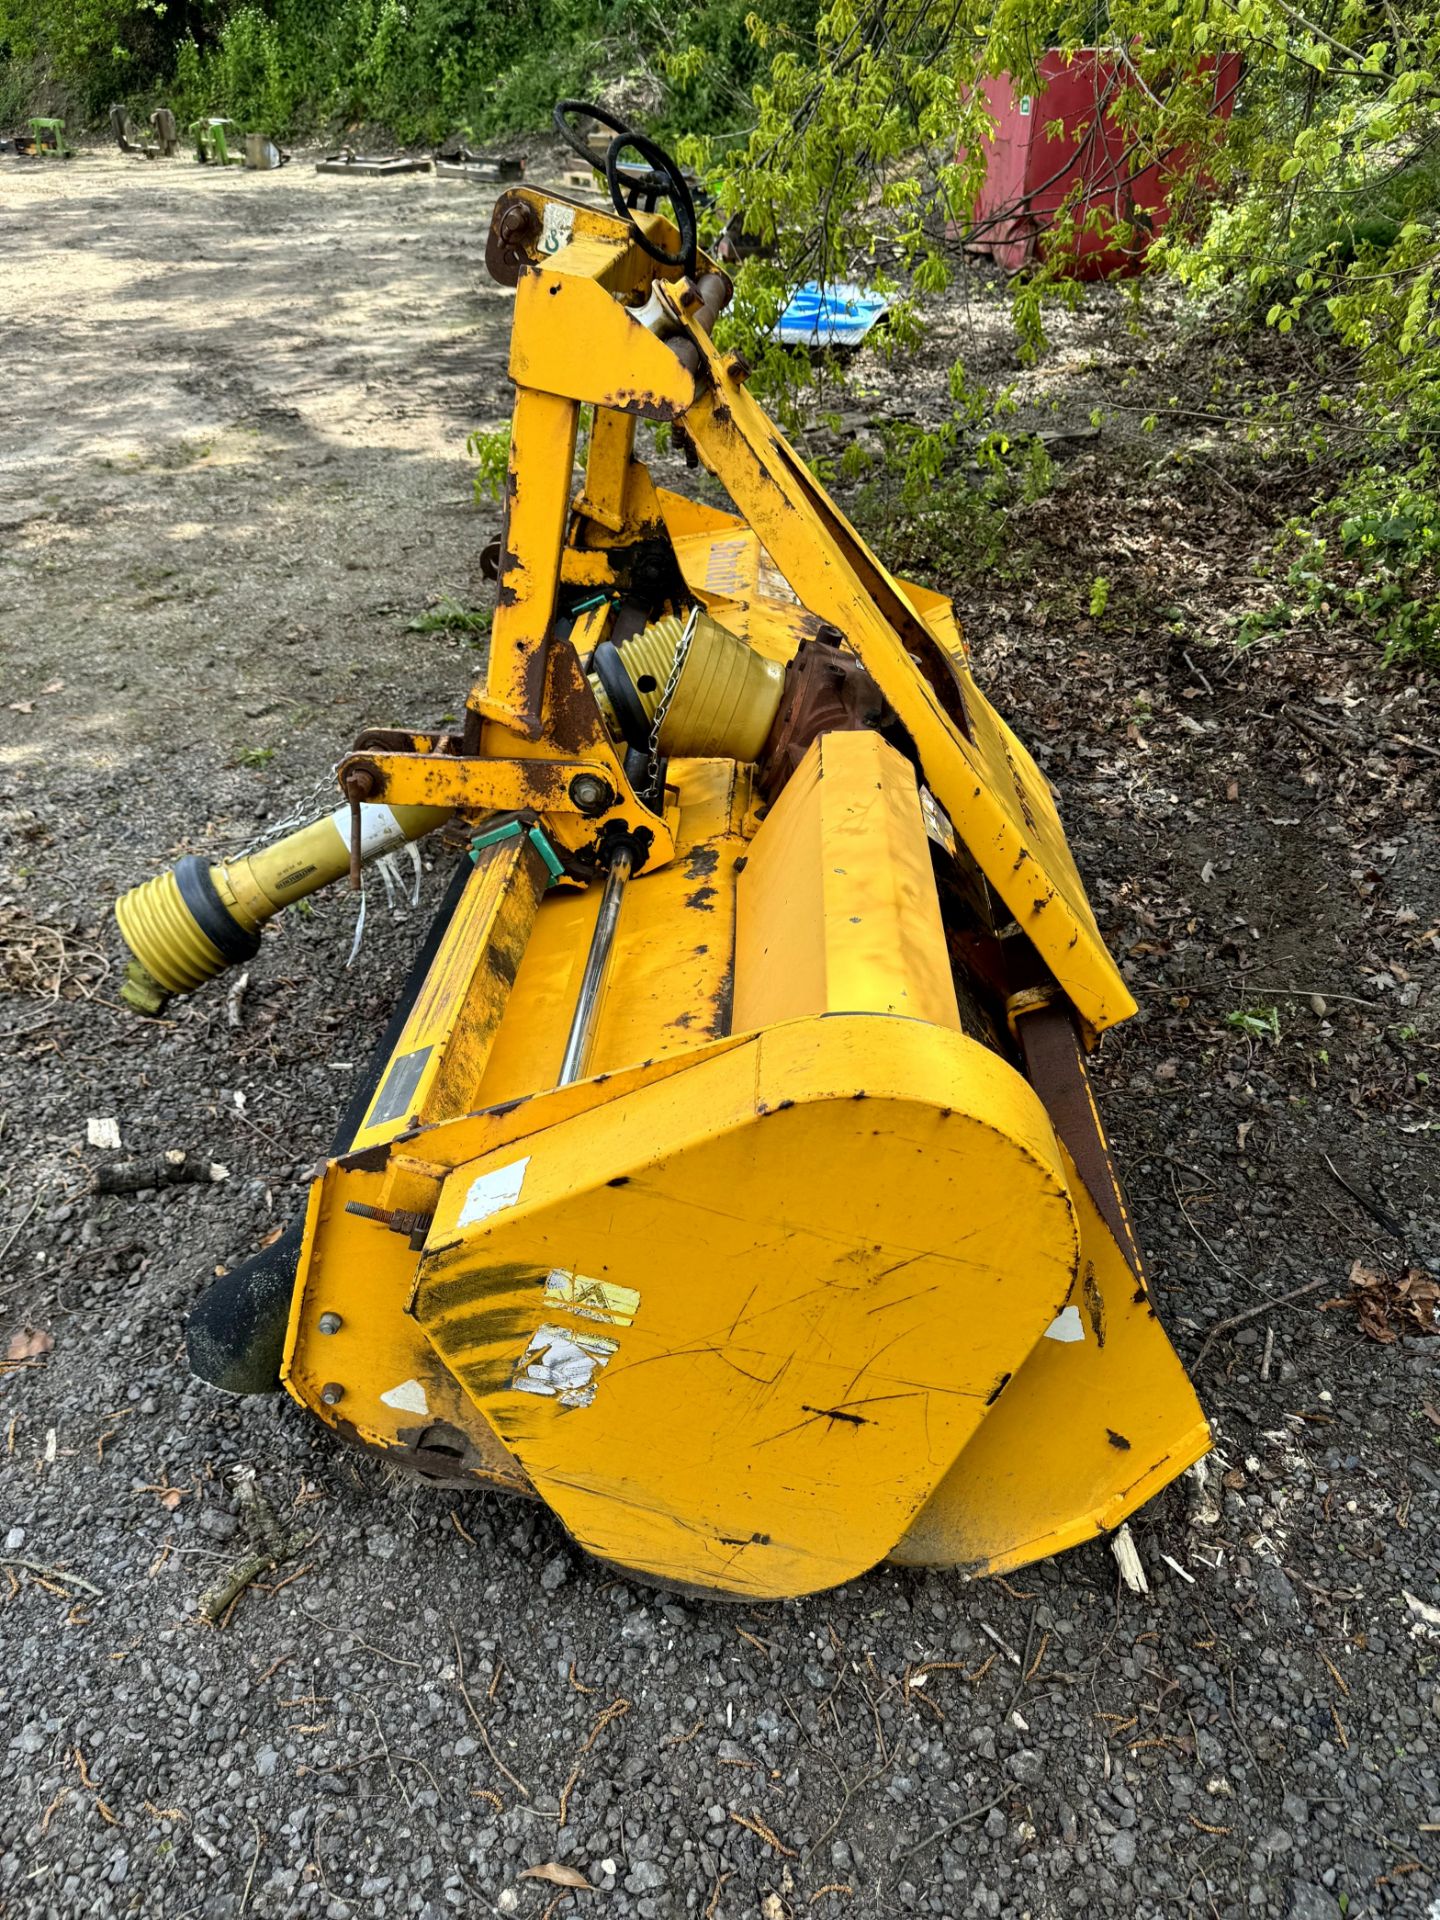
729,1177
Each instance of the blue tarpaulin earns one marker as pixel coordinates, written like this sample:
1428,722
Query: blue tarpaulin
837,315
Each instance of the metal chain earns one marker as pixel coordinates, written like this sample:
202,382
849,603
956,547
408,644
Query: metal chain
327,787
672,680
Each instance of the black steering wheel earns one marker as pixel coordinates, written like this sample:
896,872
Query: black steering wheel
628,189
565,110
668,183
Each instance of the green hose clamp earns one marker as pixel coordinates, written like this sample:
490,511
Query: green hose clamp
512,830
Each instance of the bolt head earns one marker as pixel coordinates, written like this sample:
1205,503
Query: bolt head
590,793
330,1323
361,784
332,1392
517,224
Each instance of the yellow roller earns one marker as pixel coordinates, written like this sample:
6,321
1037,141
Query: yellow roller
701,687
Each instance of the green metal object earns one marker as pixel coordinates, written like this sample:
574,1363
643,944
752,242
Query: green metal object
537,837
212,139
49,136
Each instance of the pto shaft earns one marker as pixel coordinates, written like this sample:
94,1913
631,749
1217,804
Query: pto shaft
189,924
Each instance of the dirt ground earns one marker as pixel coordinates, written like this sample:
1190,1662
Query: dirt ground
234,419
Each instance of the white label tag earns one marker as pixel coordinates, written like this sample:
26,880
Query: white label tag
492,1192
408,1397
379,829
1067,1325
562,1366
557,226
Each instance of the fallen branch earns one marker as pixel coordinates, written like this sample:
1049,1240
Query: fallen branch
758,1827
54,1573
1376,1212
234,995
165,1170
1313,734
269,1548
952,1826
480,1727
1254,1313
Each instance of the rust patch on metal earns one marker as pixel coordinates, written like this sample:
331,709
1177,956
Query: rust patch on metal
824,692
1094,1305
404,740
722,1018
700,899
414,1225
367,1160
514,228
1117,1440
572,717
361,779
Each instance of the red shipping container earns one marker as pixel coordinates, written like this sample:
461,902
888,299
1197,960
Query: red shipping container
1090,162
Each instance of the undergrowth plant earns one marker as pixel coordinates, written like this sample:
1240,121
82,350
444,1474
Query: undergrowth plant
847,139
1313,210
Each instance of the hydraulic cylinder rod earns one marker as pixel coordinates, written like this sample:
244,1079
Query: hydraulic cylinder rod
586,1017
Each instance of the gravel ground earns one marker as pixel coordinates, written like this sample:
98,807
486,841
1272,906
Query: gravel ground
233,471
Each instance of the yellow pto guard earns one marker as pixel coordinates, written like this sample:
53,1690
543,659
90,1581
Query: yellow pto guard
729,1177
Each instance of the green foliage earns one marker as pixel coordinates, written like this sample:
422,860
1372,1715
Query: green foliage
1315,211
1256,1023
944,499
423,68
489,448
1370,555
94,49
448,616
249,76
1099,596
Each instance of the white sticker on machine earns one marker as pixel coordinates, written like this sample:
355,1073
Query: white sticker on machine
557,227
591,1299
1067,1325
562,1365
379,829
492,1192
408,1397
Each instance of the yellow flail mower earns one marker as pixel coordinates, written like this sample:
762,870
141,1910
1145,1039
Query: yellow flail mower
729,1177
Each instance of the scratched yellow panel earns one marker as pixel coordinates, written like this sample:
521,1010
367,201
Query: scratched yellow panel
832,1243
357,1277
1032,1482
447,1035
